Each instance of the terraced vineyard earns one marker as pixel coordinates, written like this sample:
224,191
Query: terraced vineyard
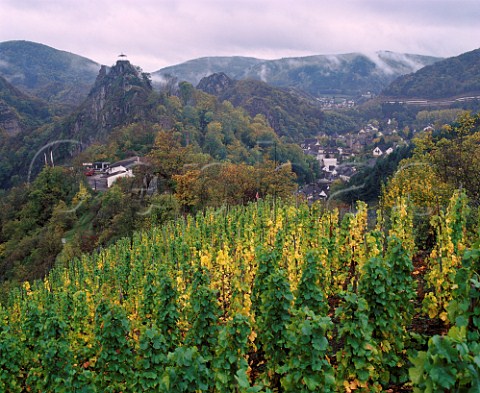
268,297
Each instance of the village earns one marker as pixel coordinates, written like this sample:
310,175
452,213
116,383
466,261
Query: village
341,156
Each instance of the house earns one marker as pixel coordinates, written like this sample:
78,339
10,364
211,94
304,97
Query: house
329,164
320,154
371,128
112,177
312,147
125,164
345,172
377,152
389,151
100,165
308,143
315,191
116,168
122,168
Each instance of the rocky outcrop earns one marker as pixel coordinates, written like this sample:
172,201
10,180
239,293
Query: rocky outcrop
118,97
9,121
216,84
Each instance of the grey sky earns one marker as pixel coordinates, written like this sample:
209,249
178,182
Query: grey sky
158,33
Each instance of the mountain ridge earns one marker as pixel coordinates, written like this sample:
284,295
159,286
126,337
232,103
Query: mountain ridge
55,76
64,79
319,75
452,77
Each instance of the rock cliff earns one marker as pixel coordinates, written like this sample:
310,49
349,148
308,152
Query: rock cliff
119,96
216,84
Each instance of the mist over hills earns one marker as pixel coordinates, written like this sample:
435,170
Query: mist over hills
285,90
64,79
194,70
450,77
347,74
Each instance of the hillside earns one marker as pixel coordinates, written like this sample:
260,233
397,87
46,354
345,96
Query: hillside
58,77
291,114
118,97
19,112
123,114
453,77
350,74
346,74
265,297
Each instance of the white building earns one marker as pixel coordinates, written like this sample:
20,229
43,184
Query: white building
112,177
123,168
377,152
329,164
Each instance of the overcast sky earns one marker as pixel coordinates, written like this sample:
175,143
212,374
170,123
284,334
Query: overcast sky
158,33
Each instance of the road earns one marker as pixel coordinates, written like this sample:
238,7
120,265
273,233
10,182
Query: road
429,102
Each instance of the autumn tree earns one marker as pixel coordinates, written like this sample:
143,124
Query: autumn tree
168,158
456,154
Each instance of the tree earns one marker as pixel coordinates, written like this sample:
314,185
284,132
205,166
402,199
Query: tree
169,158
456,155
277,181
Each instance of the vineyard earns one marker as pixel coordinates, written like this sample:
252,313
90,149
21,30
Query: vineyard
269,297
